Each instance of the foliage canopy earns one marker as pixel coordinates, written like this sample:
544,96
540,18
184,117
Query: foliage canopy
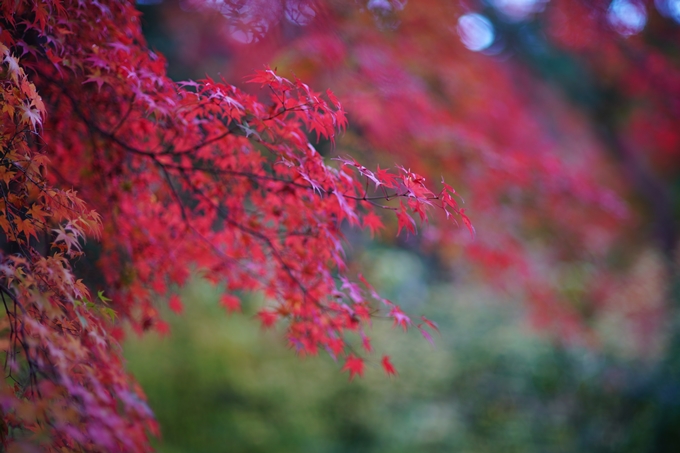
117,181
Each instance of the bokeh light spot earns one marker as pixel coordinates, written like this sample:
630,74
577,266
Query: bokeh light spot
628,17
516,10
674,9
669,8
476,31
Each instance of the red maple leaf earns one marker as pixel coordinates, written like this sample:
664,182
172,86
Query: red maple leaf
366,343
468,224
175,304
231,303
355,365
400,318
431,324
405,221
373,222
387,366
388,179
267,318
162,327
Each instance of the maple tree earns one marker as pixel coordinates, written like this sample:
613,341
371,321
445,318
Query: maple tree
559,134
117,181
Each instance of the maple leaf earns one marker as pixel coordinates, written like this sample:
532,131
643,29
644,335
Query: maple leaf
347,160
230,302
417,206
69,237
26,226
467,223
387,179
333,98
387,366
430,323
355,365
366,342
36,211
267,318
370,175
41,15
362,311
352,289
175,304
13,66
266,77
373,222
400,318
105,300
162,327
346,210
30,116
426,335
405,221
96,78
335,346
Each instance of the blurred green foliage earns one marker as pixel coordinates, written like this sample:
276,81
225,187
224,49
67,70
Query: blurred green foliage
220,384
